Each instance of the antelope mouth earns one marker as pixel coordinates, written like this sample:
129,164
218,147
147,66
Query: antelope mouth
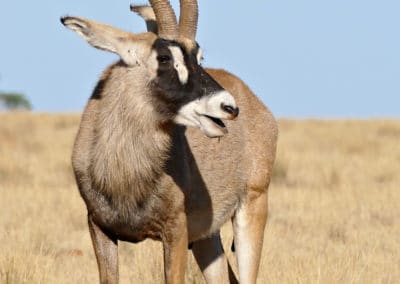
212,126
217,121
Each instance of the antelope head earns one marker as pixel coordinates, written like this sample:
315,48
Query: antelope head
169,62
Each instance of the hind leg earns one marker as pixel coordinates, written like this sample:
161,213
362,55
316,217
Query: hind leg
106,250
212,261
248,226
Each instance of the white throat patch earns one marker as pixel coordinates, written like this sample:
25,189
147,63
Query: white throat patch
179,64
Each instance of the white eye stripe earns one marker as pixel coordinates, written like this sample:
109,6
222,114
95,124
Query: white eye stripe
179,64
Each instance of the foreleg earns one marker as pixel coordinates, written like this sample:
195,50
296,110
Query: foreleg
106,250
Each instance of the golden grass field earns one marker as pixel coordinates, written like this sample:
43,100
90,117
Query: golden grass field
334,214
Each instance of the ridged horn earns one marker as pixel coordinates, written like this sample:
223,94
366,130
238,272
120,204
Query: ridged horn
188,19
166,19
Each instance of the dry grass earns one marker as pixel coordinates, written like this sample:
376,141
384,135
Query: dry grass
334,207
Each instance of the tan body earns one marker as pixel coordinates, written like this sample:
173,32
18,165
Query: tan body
237,171
238,162
206,181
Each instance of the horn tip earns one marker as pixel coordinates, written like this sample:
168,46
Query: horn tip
64,19
133,8
146,12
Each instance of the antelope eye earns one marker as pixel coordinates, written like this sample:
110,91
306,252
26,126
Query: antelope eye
163,59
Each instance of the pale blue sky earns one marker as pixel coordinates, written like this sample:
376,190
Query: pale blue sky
310,58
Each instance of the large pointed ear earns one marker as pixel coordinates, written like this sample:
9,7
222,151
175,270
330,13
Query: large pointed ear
133,49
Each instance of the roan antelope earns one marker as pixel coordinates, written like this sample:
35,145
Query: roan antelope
143,174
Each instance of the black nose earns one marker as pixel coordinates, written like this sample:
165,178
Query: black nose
233,111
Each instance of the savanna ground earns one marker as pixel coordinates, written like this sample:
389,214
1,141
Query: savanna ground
334,213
